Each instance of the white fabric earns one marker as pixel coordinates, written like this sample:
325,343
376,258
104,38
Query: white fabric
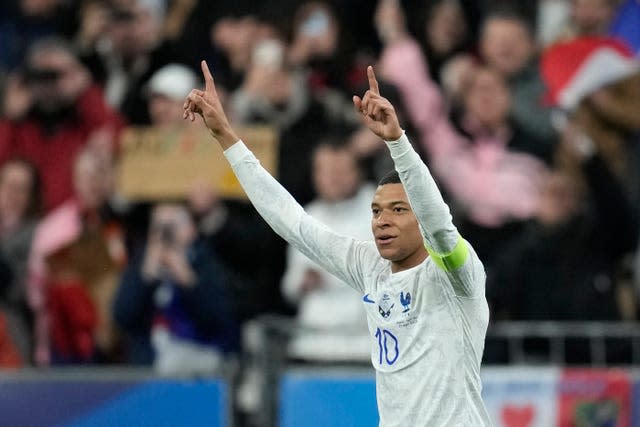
429,374
332,319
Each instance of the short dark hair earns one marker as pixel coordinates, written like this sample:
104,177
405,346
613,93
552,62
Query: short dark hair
390,177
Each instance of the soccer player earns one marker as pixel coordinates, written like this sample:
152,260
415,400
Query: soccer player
422,285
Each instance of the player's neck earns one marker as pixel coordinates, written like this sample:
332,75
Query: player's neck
411,261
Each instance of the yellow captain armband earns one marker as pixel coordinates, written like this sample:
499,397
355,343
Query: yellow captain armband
452,260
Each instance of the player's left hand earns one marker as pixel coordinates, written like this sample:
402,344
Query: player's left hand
377,112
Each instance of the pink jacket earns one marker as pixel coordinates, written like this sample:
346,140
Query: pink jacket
61,227
492,183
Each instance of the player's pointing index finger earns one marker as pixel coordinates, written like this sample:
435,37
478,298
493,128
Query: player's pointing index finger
209,86
373,83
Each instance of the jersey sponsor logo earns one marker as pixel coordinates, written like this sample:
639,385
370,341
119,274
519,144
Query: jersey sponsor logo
366,298
405,300
385,306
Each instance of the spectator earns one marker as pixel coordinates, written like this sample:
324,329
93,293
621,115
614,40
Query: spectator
237,235
133,49
94,19
447,28
166,91
276,95
174,296
320,47
77,253
234,39
593,234
330,316
495,176
19,211
52,112
267,86
563,265
507,44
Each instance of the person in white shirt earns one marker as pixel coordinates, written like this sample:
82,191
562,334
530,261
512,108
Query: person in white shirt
422,284
331,323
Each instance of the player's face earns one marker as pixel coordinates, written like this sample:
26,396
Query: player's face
395,228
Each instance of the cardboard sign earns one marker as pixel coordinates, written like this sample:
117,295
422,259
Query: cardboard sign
159,164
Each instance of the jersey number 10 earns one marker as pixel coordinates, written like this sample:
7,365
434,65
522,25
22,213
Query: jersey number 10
388,346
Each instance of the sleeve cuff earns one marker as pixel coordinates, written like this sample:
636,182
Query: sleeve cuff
400,146
402,138
236,152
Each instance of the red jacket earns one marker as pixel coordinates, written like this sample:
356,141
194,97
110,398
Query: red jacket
54,154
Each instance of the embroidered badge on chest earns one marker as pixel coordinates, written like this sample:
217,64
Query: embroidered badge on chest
408,318
385,306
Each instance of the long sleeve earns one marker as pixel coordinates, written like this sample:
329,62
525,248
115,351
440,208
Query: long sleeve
445,246
342,256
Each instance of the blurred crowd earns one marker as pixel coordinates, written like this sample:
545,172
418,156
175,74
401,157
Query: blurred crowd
526,112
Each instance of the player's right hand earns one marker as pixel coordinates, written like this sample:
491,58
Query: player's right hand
377,112
207,104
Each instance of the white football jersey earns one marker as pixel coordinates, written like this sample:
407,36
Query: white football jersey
427,323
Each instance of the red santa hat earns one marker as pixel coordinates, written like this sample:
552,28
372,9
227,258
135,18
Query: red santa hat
572,70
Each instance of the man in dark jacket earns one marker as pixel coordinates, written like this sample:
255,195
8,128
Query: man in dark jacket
173,298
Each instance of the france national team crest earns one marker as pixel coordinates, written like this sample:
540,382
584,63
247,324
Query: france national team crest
405,300
385,306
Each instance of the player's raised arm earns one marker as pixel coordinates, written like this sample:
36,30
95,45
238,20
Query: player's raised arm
445,246
339,255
